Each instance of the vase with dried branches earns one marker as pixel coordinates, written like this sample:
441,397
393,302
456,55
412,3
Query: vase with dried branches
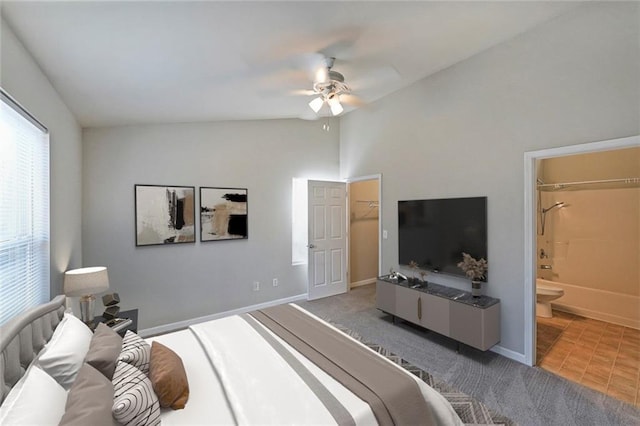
476,270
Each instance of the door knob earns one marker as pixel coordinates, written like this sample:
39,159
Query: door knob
311,246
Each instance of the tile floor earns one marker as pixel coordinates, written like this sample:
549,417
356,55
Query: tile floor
602,356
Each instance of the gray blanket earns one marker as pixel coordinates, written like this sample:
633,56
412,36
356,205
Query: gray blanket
394,396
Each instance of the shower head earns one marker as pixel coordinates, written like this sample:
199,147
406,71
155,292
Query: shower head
558,204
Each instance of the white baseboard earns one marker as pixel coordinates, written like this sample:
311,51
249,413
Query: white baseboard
508,353
362,282
602,316
167,328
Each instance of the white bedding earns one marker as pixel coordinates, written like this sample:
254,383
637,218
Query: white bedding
206,397
236,376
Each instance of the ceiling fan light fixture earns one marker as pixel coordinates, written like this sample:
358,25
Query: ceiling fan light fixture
322,75
334,104
316,104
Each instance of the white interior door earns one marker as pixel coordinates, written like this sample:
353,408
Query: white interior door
327,239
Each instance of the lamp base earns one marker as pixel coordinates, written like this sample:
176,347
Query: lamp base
87,307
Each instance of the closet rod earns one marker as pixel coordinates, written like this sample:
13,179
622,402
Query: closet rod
630,180
372,203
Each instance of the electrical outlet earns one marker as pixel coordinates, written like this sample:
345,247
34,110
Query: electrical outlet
275,282
256,286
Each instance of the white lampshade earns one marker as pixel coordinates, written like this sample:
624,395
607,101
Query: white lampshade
334,104
316,104
85,281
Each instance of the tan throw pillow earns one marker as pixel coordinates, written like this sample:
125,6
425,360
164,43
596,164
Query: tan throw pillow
168,377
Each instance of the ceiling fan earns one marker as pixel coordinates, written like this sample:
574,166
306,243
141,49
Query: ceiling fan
329,88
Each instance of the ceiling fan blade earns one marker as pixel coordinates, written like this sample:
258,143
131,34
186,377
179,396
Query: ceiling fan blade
302,92
342,43
314,64
352,100
376,77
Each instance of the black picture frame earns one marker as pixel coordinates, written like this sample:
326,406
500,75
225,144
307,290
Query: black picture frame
224,214
164,214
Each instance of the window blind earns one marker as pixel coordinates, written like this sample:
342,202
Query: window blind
24,210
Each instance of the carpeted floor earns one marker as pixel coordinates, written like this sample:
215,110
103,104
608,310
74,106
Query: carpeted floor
527,395
470,410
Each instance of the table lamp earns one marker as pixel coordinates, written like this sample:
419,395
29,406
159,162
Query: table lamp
84,283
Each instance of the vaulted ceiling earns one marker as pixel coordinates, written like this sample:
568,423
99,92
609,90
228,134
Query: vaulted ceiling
118,63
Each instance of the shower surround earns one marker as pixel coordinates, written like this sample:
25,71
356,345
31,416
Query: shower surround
592,244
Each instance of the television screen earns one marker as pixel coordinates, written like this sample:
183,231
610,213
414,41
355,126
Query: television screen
435,233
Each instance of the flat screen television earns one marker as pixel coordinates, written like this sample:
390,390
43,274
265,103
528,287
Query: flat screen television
435,233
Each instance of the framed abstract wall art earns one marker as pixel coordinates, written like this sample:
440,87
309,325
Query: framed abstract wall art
223,214
164,214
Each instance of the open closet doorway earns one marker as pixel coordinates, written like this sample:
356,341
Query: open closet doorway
364,230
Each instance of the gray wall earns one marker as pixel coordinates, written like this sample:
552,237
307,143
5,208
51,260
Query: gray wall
178,282
22,78
461,132
464,131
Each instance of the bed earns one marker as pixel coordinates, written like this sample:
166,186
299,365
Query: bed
279,365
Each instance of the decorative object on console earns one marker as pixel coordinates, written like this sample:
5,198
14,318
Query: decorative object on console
164,214
476,288
414,267
223,214
84,283
110,301
476,270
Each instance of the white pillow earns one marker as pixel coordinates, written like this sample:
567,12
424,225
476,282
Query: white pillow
35,400
63,356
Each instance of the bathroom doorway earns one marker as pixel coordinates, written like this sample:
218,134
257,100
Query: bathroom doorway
583,207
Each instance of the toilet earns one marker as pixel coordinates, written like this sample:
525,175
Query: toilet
545,293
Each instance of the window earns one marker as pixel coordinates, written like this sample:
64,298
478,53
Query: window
299,222
24,210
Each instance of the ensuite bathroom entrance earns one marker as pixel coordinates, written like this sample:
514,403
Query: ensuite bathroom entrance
587,281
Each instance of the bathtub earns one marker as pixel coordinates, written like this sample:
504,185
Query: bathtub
616,308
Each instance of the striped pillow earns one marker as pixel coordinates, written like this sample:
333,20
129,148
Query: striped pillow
135,351
134,402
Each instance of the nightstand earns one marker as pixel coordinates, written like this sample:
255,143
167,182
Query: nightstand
130,314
